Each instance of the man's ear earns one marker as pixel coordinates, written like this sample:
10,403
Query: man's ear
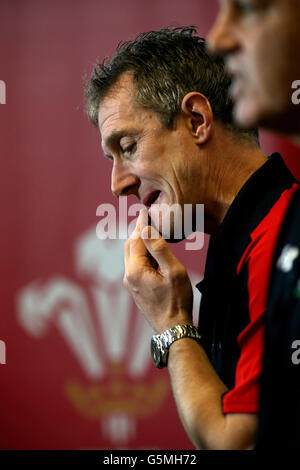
199,116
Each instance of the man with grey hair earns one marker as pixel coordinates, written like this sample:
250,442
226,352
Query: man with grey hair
161,104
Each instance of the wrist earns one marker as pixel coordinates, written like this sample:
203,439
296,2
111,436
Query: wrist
182,318
161,343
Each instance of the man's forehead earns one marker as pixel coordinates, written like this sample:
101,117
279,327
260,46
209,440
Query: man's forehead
294,4
122,89
118,101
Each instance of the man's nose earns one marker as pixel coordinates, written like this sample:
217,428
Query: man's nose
123,181
221,39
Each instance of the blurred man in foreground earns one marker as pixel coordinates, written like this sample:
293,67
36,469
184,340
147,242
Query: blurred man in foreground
260,41
162,107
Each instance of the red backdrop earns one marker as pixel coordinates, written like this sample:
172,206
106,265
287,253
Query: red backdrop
77,372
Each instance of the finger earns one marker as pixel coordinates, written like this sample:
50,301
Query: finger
126,253
134,236
159,250
136,245
142,220
137,248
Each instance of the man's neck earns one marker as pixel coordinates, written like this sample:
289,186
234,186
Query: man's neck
248,161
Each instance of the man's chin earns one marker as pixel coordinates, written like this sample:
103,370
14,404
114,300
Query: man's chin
249,113
170,239
176,224
170,236
246,114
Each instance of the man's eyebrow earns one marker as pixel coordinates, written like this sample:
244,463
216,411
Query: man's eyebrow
114,137
108,156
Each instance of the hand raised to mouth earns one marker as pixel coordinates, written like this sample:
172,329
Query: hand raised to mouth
156,279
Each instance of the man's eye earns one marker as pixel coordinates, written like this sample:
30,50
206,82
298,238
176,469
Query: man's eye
129,149
246,7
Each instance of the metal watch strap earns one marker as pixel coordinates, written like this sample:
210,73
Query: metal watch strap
168,337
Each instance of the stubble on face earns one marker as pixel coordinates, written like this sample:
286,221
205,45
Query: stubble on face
264,62
160,162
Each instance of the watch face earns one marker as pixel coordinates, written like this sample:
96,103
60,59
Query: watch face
155,353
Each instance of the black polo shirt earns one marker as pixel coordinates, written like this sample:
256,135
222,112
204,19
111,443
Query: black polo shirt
279,417
234,289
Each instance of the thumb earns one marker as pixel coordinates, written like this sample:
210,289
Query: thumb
159,249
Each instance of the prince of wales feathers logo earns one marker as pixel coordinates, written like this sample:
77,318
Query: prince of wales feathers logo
108,336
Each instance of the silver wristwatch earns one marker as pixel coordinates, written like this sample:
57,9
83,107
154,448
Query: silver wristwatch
160,344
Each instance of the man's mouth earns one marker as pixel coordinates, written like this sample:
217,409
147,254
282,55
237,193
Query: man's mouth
151,198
